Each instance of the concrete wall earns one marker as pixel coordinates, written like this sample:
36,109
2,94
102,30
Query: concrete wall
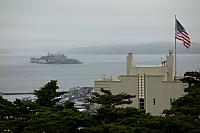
156,85
162,92
170,67
156,88
159,70
130,62
127,84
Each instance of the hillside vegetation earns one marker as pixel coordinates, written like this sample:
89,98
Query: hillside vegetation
43,115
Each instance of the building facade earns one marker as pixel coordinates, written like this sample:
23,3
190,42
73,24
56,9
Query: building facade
154,86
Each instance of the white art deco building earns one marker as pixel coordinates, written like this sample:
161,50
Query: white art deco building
154,86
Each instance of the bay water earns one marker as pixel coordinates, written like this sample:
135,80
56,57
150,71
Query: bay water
18,75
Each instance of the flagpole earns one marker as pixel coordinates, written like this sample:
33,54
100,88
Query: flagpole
175,49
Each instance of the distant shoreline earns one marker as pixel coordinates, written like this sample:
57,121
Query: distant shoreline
150,48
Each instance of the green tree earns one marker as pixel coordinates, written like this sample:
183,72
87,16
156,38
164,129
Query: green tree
42,116
108,118
58,121
46,94
190,103
7,109
107,99
13,116
193,80
24,108
7,114
186,109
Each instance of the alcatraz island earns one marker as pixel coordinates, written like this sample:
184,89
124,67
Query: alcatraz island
54,59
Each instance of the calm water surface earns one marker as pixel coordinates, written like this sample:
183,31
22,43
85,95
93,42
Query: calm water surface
18,75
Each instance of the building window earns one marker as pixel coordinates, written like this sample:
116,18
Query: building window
141,101
171,100
154,101
141,91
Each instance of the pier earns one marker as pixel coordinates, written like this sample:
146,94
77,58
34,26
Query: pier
17,93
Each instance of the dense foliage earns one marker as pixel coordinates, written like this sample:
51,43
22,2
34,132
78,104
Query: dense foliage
188,105
43,115
107,99
46,94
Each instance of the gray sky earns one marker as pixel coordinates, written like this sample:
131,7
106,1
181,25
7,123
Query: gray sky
64,24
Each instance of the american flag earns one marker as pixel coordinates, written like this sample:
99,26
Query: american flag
182,35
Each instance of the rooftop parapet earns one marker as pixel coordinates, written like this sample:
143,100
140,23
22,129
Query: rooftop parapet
109,78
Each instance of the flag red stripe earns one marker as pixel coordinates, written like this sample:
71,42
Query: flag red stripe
187,46
186,36
182,35
185,33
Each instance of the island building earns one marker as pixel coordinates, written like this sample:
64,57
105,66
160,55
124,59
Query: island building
154,86
54,59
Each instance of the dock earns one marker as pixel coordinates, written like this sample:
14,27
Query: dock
18,93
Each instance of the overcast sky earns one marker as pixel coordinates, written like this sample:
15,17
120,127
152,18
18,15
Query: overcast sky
64,24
